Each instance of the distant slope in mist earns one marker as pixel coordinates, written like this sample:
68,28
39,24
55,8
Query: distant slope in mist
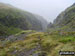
43,21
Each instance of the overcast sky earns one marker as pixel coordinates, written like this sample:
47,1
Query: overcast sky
49,9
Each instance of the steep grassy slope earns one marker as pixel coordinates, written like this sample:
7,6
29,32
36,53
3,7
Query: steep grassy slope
11,17
66,19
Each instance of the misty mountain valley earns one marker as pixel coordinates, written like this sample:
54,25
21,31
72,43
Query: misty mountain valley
24,33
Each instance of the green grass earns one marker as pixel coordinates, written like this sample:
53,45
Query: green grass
4,30
67,39
50,44
25,32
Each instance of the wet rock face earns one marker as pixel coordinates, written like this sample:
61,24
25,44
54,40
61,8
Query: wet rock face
15,38
74,4
65,20
2,38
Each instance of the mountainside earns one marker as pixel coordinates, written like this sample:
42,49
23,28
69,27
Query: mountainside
65,20
43,22
19,38
11,17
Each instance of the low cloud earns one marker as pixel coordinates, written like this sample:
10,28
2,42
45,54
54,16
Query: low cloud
49,9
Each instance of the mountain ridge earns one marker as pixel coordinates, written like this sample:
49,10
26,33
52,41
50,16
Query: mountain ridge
65,20
12,17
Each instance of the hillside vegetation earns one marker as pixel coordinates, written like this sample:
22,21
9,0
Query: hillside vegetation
36,43
12,17
65,21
